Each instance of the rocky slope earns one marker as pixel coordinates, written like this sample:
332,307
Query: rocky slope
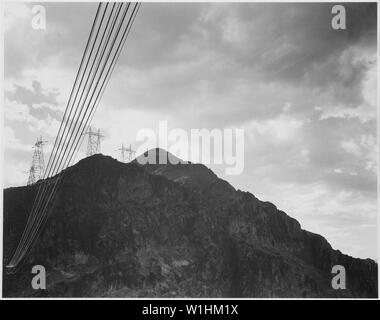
131,230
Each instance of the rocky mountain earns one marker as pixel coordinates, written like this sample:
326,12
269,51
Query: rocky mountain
132,230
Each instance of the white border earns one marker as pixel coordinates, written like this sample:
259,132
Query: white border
2,3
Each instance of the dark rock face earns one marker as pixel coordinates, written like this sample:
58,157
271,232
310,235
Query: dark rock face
130,230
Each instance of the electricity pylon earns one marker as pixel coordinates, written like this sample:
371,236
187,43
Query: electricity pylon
126,154
37,168
93,145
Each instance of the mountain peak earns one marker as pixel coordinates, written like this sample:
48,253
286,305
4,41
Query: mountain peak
161,162
159,156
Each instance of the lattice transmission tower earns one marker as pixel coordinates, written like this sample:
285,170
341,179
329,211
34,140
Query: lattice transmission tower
94,139
37,168
126,154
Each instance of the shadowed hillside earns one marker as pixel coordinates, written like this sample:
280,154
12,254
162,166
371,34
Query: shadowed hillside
131,230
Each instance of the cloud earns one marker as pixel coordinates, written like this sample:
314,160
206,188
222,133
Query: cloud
280,129
351,147
21,113
55,44
12,142
36,95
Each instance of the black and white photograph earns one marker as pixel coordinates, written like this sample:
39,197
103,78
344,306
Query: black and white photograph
189,150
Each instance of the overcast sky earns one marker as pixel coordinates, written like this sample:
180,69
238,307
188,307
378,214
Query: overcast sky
305,95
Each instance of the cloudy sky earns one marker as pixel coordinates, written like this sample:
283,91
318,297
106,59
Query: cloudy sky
305,95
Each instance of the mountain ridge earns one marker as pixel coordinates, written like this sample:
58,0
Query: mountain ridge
162,235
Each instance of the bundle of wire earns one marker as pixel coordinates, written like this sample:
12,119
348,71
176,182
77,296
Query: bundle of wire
109,32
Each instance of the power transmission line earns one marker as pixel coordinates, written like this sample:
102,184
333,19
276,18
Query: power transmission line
57,166
38,216
47,193
96,101
100,93
123,39
41,197
58,139
31,218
